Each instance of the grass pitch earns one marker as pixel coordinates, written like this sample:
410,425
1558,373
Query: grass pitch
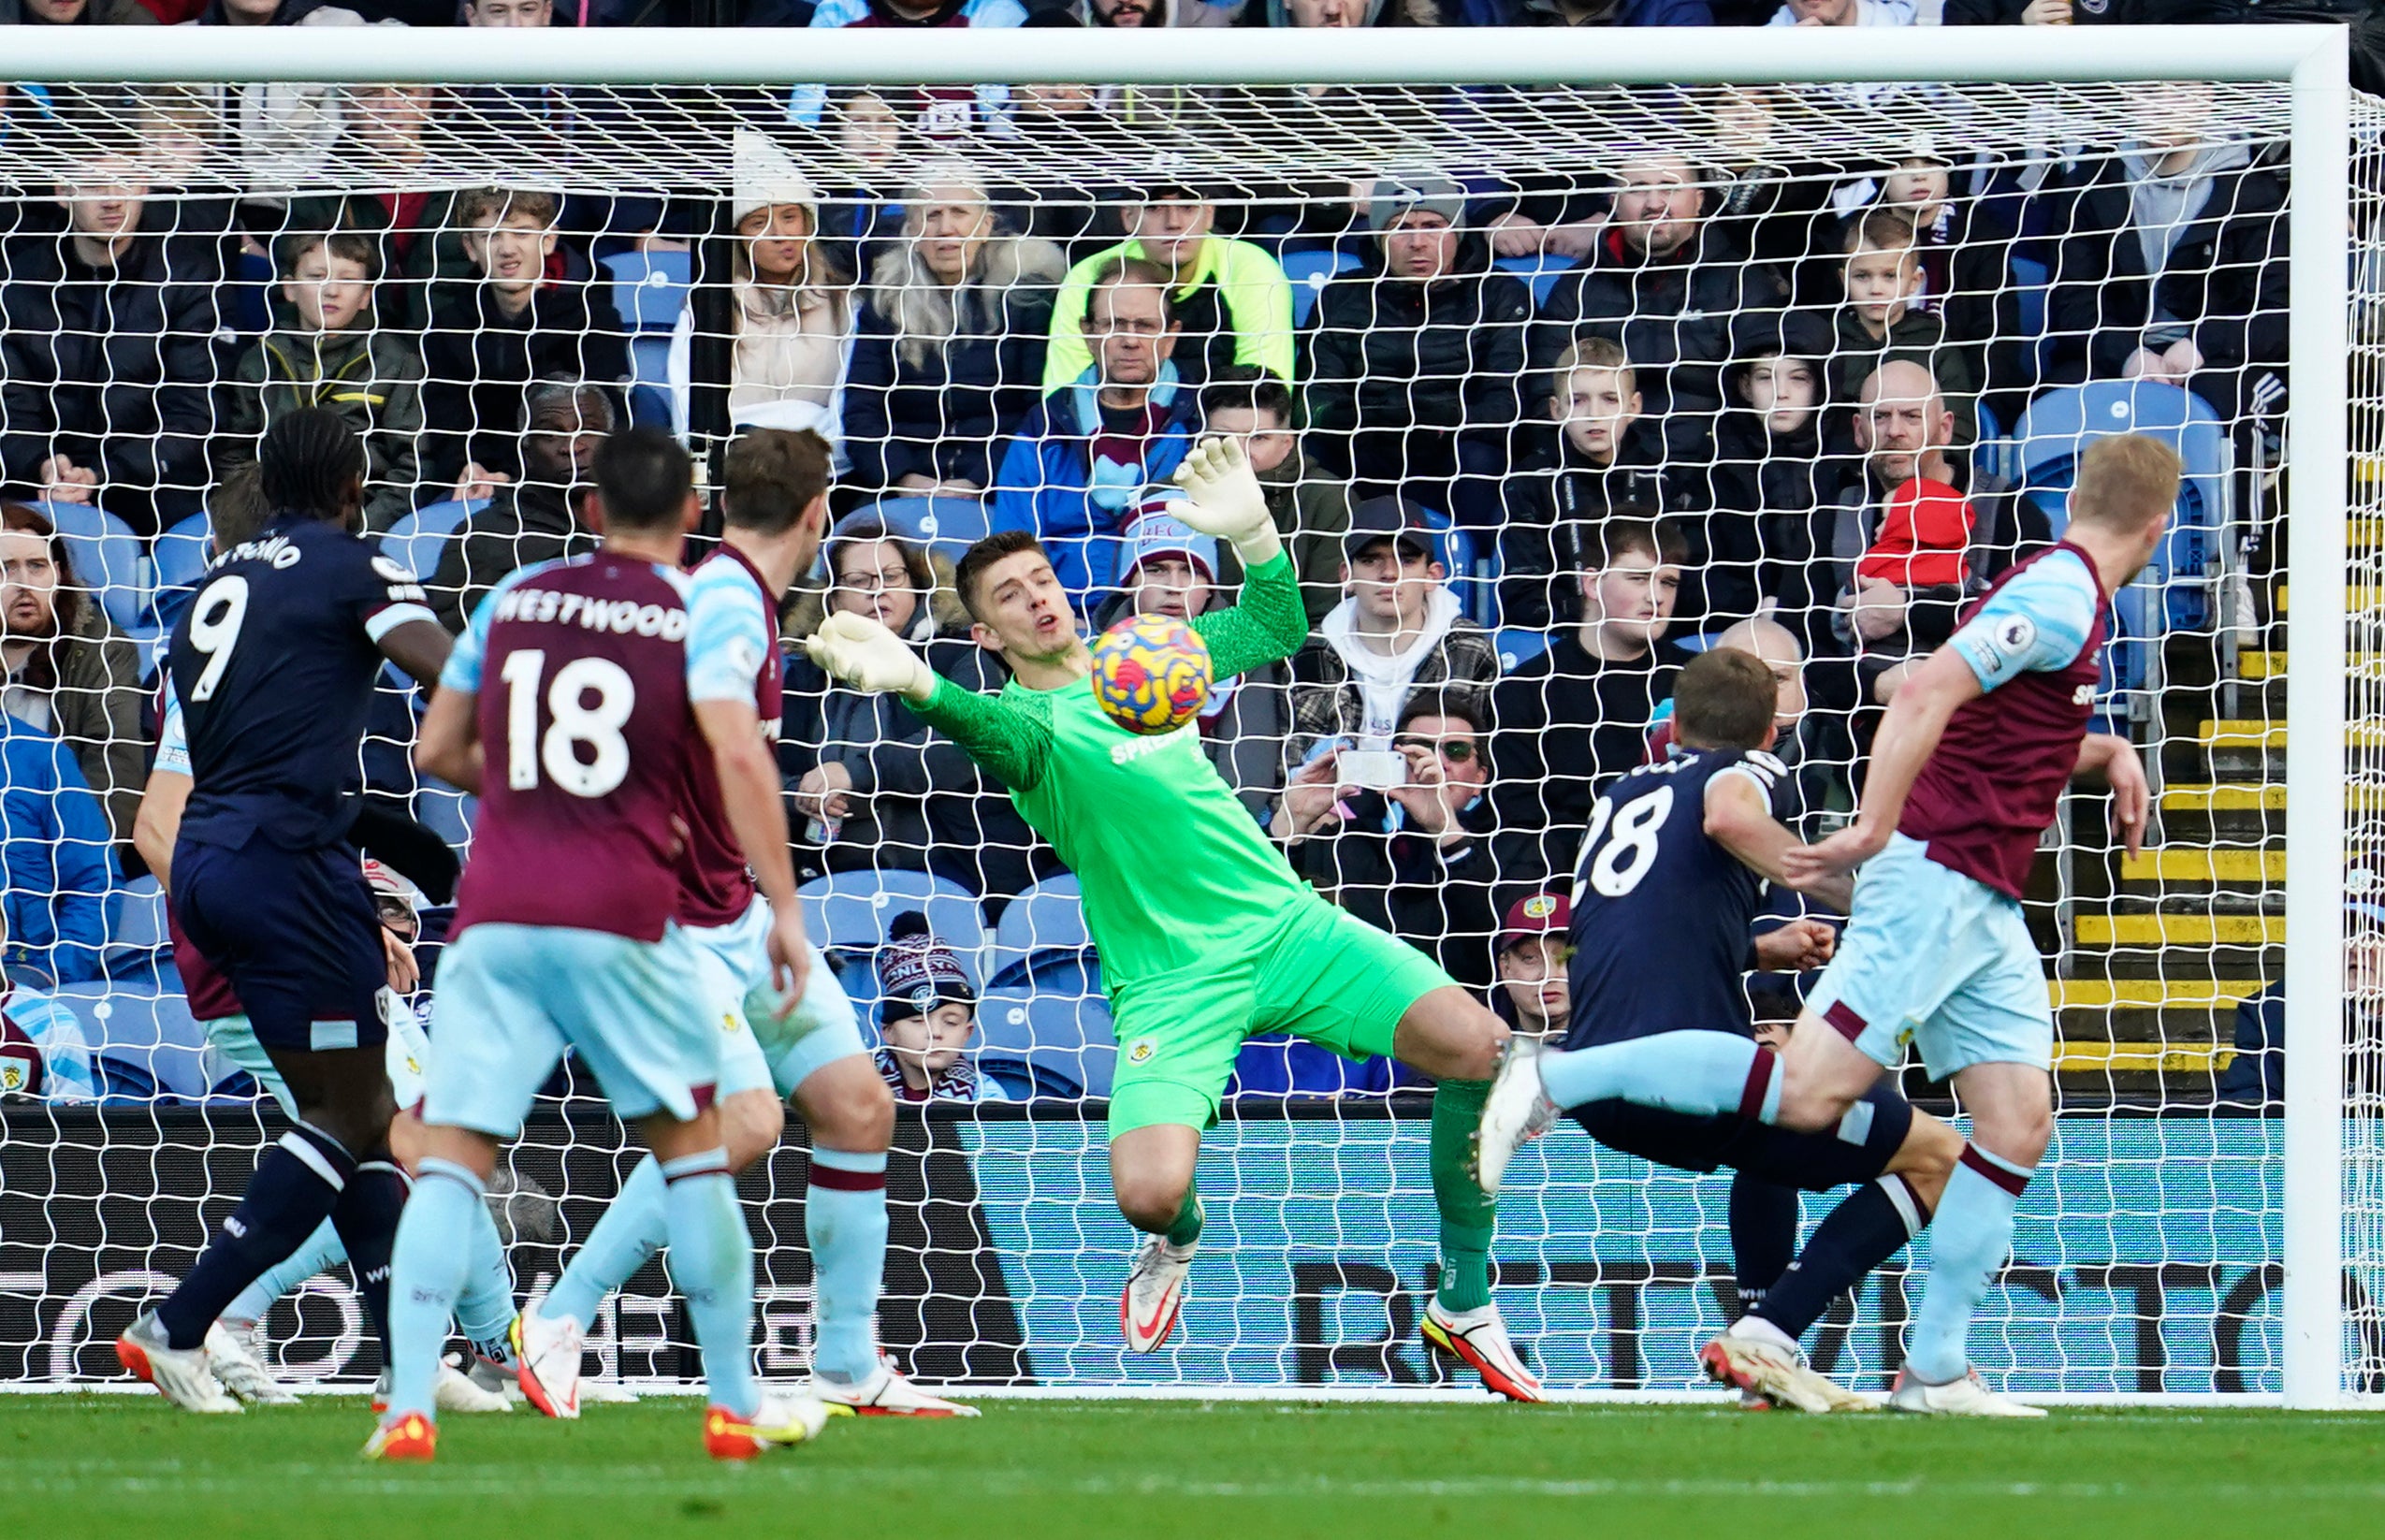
92,1465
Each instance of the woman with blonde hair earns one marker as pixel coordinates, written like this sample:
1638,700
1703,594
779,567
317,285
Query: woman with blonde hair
950,353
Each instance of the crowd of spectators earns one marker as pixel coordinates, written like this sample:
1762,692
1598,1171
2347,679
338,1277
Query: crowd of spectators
1533,440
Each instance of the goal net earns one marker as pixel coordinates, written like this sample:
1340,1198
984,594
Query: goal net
1557,376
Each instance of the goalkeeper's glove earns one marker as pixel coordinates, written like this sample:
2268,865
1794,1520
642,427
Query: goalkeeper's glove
1225,500
859,652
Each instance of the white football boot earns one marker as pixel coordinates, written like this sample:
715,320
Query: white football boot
241,1370
1778,1376
887,1393
181,1376
1155,1293
1516,1110
1967,1397
546,1358
597,1392
1479,1340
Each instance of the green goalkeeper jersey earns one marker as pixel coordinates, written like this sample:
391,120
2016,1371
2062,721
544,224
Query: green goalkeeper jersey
1173,866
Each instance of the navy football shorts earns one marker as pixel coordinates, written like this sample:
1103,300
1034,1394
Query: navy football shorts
295,933
1858,1150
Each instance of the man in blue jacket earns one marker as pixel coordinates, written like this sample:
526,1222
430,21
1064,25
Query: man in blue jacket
55,875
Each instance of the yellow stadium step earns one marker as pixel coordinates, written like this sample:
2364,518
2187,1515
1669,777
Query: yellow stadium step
2124,1058
2193,864
2358,599
2181,930
2222,797
2253,734
2149,993
2272,665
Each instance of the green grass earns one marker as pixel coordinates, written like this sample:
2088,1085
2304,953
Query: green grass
74,1466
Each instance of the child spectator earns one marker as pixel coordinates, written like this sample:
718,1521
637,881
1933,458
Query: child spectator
1533,997
1768,473
416,234
334,353
1879,320
1311,505
1597,455
926,1014
533,314
1399,632
66,670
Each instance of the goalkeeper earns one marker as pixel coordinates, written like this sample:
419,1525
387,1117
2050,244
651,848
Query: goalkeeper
1206,937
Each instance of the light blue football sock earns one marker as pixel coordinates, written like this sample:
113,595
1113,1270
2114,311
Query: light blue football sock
319,1253
1969,1239
1701,1074
712,1268
484,1308
633,1229
845,1220
427,1265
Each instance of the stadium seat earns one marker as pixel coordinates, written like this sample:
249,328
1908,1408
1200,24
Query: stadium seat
1518,645
951,525
849,912
649,289
1045,921
136,938
446,811
146,1029
1541,272
650,380
107,557
181,553
416,540
1310,271
1065,1044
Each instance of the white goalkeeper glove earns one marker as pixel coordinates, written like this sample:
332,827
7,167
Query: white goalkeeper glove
859,652
1225,501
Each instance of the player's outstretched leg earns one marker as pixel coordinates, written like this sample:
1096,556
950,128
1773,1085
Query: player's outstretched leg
1700,1073
1450,1036
1151,1171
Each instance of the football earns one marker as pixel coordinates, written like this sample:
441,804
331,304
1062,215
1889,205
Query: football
1151,673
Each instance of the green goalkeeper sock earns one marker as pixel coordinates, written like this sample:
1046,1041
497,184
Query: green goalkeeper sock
1184,1228
1468,1214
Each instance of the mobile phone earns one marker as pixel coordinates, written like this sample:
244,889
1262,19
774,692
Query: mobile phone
1376,769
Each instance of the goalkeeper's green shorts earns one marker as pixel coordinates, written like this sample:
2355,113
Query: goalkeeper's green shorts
1317,974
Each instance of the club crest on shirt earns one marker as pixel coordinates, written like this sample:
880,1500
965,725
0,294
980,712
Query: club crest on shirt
1141,1050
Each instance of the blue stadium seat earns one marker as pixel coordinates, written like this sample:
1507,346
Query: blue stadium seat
650,380
1066,1045
416,540
649,289
1047,920
849,912
446,811
1518,646
107,557
136,940
150,1031
1310,271
181,553
951,525
1541,272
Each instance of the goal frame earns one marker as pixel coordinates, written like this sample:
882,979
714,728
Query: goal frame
2312,61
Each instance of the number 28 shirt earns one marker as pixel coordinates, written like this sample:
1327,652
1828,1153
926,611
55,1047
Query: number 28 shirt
583,673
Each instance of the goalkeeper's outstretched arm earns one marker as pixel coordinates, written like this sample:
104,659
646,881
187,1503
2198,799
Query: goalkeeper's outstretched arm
1004,738
1225,500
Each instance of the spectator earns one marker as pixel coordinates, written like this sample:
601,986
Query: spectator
1585,13
1173,570
937,112
1843,13
1414,362
43,1051
1800,741
235,510
534,314
1310,505
1399,632
1880,320
1413,860
69,673
1342,13
792,315
1600,453
1535,994
861,211
949,359
1566,721
107,356
54,871
1966,247
537,518
2172,265
333,353
2256,1074
70,13
1229,297
418,234
1085,453
861,768
1769,473
1667,287
1126,13
509,13
926,1014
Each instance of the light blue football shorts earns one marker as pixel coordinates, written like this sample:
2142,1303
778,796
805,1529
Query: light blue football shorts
512,997
758,1049
1939,961
408,1052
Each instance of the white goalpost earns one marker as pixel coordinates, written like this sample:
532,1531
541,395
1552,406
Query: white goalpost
2178,1248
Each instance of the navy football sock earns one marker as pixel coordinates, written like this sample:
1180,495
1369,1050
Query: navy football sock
366,1220
1870,1225
1763,1235
294,1190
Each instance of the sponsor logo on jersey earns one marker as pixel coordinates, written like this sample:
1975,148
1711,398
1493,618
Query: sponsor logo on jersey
2083,695
1137,748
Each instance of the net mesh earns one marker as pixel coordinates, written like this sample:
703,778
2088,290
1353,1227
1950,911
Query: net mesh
1652,304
